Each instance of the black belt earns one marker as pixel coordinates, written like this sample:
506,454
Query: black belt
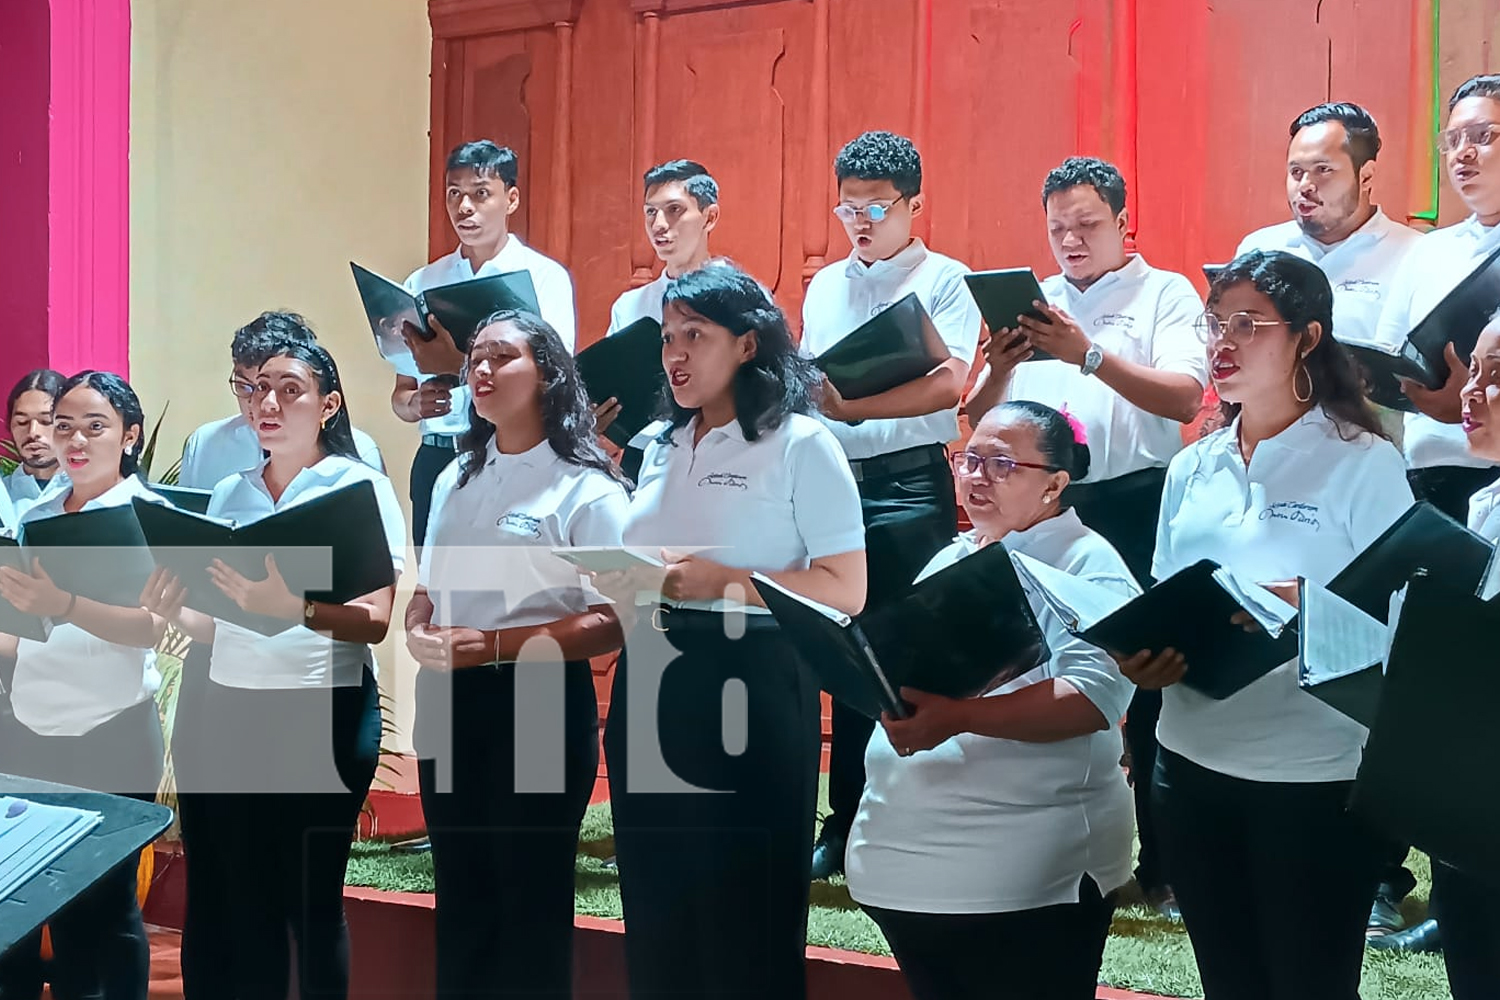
897,462
665,618
1096,492
448,441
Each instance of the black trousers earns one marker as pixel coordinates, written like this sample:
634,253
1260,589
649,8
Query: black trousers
1465,910
426,465
293,846
99,946
503,860
714,872
1048,953
1274,880
1125,510
909,517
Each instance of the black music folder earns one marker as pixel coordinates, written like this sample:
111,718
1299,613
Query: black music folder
1427,777
460,307
626,365
184,498
1341,652
332,549
1190,611
14,621
1004,296
1457,319
100,554
127,826
1422,538
963,631
891,348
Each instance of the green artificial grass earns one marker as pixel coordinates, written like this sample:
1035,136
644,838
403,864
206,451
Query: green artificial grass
1144,952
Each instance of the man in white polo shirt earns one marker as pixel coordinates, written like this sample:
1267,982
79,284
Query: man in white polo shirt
1439,465
681,209
481,195
1330,181
221,448
1129,363
895,441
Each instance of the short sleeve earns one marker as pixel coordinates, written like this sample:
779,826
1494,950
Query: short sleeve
1176,343
955,314
442,492
825,501
187,469
1378,492
369,451
1092,672
601,522
391,519
1174,492
554,292
1395,312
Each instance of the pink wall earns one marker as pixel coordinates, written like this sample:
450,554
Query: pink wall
65,185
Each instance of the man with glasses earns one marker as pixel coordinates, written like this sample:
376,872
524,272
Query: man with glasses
1439,465
224,447
1330,181
895,441
1128,362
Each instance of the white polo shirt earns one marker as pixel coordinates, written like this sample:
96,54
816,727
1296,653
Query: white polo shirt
1360,267
1139,314
1437,263
75,681
488,563
297,657
10,518
1020,822
1307,504
223,447
554,295
22,486
844,295
1484,512
772,504
638,303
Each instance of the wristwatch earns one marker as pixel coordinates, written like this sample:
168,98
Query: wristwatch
1092,359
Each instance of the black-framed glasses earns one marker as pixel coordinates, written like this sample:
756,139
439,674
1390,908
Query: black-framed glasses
875,213
286,392
1479,134
1239,327
241,388
994,468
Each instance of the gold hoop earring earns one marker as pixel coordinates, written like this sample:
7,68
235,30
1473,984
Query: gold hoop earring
1300,397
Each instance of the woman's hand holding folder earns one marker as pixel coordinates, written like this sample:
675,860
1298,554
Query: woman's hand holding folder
1152,671
934,720
1442,404
269,597
35,594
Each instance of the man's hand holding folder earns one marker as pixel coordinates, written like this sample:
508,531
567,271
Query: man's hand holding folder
1444,403
436,356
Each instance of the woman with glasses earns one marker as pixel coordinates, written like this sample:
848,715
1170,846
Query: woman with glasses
1015,894
1273,875
288,729
503,630
82,700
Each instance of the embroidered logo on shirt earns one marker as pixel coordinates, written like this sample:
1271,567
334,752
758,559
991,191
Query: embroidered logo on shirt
728,480
1122,320
1294,511
1359,286
521,524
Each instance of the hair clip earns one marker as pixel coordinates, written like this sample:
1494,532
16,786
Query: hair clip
1080,436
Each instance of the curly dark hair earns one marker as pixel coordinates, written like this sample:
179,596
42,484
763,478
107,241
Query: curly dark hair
123,400
881,156
770,386
567,414
1080,171
1302,296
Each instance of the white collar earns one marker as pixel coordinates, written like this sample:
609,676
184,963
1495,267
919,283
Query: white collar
510,247
908,259
1134,269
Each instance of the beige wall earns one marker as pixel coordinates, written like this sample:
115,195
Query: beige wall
271,143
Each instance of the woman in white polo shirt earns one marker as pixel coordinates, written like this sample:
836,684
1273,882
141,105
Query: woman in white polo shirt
288,729
1273,874
712,737
993,831
82,700
503,631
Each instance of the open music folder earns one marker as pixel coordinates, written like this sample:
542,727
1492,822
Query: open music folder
1004,296
891,348
1426,777
332,548
97,554
963,631
1190,612
1422,538
460,307
626,365
1341,652
1457,319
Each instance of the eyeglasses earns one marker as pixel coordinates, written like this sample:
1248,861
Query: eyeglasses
247,390
992,468
875,213
1239,327
1455,139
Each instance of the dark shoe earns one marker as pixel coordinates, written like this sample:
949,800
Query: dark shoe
1423,937
1385,915
828,857
1164,901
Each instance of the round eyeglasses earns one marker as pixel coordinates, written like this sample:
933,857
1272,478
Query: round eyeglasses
1239,327
992,468
875,212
